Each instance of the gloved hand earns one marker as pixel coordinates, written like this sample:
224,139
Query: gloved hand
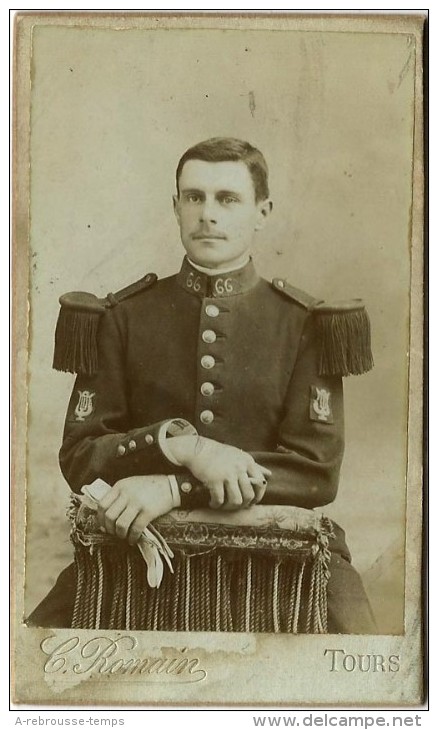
150,543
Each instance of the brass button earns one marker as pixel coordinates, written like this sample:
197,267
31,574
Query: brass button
132,445
209,336
207,388
121,451
186,487
280,283
149,439
212,310
207,416
208,362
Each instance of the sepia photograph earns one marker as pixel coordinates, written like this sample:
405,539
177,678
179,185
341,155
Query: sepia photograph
218,292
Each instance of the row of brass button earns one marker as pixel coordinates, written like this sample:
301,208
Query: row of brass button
132,445
208,362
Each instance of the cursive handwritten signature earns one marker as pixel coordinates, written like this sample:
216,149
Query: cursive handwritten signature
102,655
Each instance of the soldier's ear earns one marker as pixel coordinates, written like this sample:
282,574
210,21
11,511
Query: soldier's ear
263,213
175,200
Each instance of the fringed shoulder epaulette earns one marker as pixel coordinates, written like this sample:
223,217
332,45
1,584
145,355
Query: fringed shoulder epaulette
345,335
344,331
78,322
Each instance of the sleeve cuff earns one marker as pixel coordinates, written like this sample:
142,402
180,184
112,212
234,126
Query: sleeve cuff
176,498
174,427
192,493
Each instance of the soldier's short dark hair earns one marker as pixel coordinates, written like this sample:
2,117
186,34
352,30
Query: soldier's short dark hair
229,149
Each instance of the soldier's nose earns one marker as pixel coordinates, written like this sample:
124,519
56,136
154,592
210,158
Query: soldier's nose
207,214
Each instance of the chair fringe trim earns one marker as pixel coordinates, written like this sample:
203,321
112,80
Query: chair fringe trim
223,589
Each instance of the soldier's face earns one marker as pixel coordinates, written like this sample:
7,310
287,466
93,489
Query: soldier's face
217,212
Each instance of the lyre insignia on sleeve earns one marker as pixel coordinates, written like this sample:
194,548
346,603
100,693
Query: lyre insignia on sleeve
320,405
85,405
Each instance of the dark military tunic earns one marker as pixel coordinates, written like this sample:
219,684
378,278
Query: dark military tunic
238,358
232,355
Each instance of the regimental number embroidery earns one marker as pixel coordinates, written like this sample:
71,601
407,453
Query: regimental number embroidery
223,286
85,405
193,282
320,405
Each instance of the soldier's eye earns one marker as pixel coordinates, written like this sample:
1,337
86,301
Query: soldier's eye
193,198
228,199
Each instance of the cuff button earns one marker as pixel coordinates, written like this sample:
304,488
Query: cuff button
132,445
121,451
186,487
149,439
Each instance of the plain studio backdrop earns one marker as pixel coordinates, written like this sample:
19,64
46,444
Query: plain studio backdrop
113,110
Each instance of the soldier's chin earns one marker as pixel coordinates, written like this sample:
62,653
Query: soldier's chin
209,254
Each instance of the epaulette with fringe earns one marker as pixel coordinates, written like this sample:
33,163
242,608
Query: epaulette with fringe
78,322
344,331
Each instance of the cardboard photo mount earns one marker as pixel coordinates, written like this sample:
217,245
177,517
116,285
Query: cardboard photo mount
98,99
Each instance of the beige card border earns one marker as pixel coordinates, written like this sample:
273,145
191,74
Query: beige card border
249,655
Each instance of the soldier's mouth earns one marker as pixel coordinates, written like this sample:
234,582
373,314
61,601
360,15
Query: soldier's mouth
208,237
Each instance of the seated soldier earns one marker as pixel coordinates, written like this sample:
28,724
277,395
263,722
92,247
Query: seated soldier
213,386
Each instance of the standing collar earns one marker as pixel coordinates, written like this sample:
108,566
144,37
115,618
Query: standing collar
218,272
225,284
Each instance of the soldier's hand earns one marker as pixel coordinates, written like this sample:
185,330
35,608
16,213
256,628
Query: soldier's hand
231,475
132,503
